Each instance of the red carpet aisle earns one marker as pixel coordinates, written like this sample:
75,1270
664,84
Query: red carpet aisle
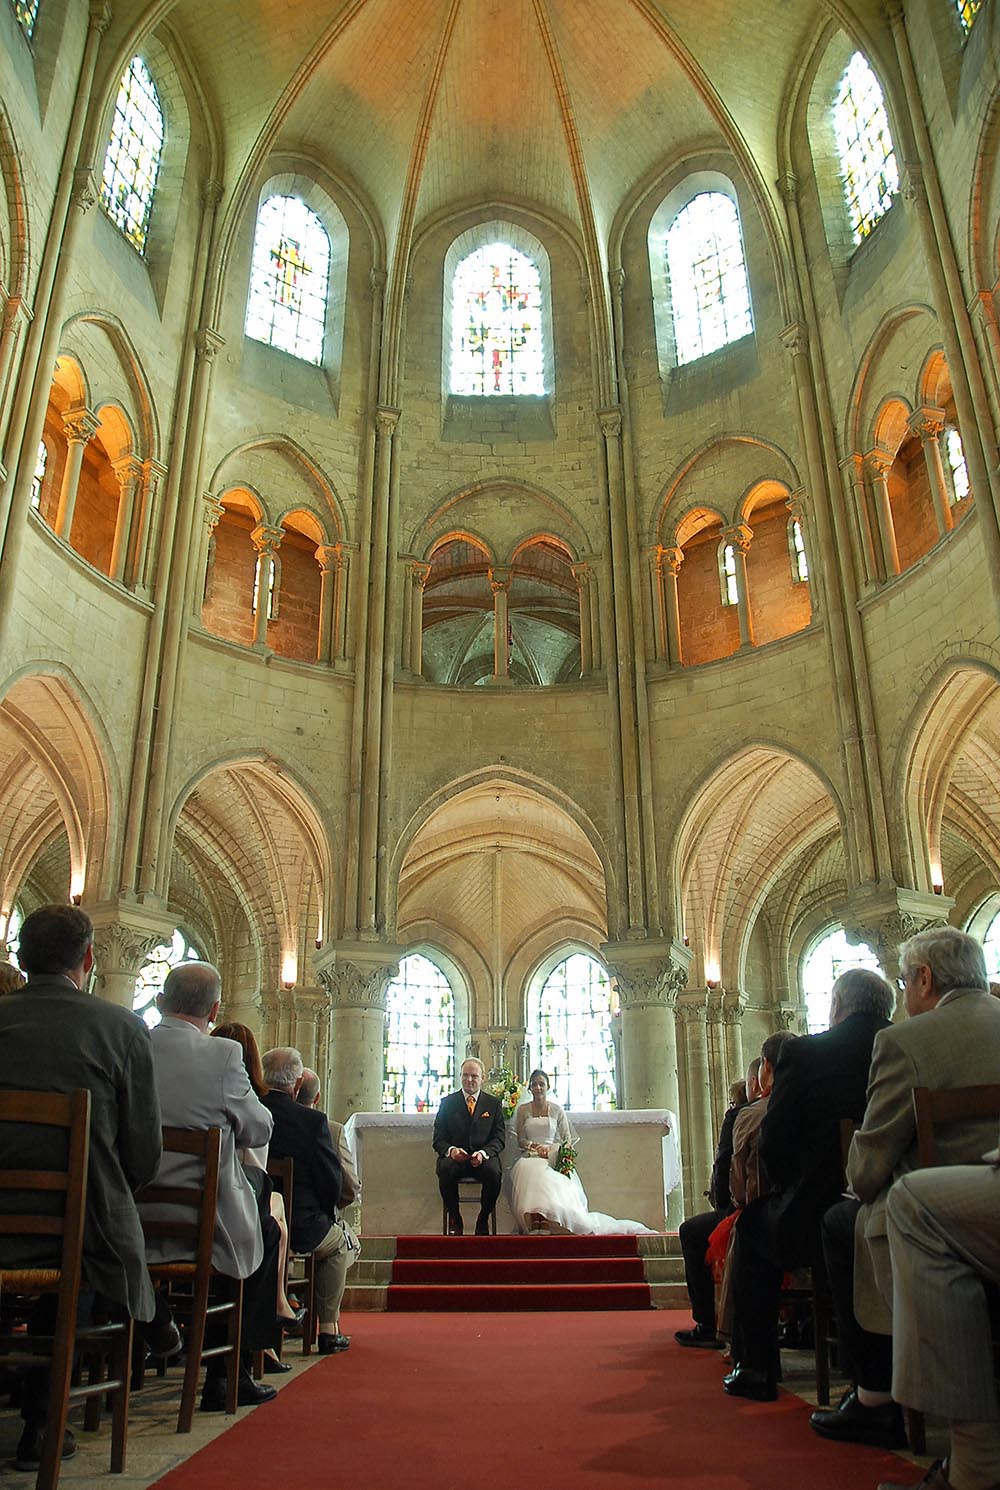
517,1273
560,1401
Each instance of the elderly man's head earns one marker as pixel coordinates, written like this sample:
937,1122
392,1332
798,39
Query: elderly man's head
191,990
861,991
309,1090
56,939
283,1069
934,962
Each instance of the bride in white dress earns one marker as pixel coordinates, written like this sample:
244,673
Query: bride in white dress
540,1195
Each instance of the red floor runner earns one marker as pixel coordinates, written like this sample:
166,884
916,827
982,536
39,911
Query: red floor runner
601,1401
468,1247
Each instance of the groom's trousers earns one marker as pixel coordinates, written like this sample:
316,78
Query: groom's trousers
488,1174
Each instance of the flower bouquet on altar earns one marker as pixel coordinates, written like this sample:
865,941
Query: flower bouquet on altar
504,1085
566,1162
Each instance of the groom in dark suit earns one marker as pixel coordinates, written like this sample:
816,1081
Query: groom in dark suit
469,1137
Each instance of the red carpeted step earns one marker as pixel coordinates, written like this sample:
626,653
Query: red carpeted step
480,1270
505,1298
516,1246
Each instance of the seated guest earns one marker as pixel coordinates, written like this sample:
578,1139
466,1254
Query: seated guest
951,1038
818,1080
469,1137
56,1038
350,1185
303,1134
203,1083
696,1230
11,978
944,1240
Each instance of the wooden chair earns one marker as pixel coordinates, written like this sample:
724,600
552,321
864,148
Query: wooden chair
300,1272
195,1236
60,1222
931,1108
466,1200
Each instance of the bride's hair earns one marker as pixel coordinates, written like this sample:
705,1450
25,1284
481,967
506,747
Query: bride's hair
542,1075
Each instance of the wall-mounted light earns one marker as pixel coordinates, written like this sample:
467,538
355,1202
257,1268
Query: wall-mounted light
76,886
713,974
938,889
289,970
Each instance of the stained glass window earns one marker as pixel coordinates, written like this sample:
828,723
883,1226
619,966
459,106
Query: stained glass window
9,940
864,144
270,588
830,957
727,570
967,12
26,12
709,292
991,948
41,461
572,1034
419,1044
153,974
132,162
497,345
960,485
289,279
797,545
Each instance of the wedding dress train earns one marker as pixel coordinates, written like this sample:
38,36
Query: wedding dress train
538,1189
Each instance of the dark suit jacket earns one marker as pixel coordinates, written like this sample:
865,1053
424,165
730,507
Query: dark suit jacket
719,1197
818,1081
303,1134
454,1128
53,1038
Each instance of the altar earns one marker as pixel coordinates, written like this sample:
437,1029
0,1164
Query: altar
629,1163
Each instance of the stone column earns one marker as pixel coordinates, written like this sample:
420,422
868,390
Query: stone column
692,1017
211,512
582,573
327,557
886,916
137,564
354,977
867,547
878,464
649,975
657,609
128,472
80,425
124,936
340,634
309,1009
16,316
673,558
927,425
419,573
500,585
733,1006
739,537
265,540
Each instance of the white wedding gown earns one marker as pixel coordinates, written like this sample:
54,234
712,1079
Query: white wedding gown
538,1189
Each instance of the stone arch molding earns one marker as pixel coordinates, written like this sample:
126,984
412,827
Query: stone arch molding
734,463
284,478
120,380
751,816
906,335
502,515
58,774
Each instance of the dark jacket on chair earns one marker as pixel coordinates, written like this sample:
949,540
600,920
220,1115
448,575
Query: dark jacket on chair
303,1134
484,1129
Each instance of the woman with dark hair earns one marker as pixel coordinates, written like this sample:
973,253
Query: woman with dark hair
543,1198
269,1202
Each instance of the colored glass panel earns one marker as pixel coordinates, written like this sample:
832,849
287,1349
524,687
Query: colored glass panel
573,1034
497,344
289,279
26,13
38,476
864,145
709,290
132,162
800,566
419,1041
967,12
830,957
955,454
153,974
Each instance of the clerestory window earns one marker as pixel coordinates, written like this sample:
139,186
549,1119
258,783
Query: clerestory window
959,471
26,14
419,1040
864,146
497,342
132,162
707,276
289,279
967,12
38,475
797,552
727,574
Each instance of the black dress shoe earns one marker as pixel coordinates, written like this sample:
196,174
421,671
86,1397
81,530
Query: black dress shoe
852,1422
249,1393
455,1226
295,1324
29,1451
757,1386
699,1336
274,1367
330,1344
162,1341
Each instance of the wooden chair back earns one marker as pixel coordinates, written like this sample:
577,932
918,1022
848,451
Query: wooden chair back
955,1105
300,1267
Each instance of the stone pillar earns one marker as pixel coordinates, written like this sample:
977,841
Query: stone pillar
739,537
355,976
879,463
886,916
309,1010
692,1018
927,425
211,512
867,547
124,936
419,573
128,472
673,558
796,507
655,598
733,1006
16,316
327,557
500,585
265,540
137,565
80,425
340,636
649,975
583,574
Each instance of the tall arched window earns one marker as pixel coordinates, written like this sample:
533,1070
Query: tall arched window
26,14
967,12
153,974
707,274
497,345
289,279
797,552
419,1045
957,468
727,575
11,934
571,1034
864,145
991,948
132,162
38,475
832,955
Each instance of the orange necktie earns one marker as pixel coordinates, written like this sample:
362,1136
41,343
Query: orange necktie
470,1103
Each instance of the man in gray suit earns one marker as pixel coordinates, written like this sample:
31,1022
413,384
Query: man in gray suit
951,1039
944,1240
203,1083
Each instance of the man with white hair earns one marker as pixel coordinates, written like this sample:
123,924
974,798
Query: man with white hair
303,1135
350,1186
469,1137
951,1039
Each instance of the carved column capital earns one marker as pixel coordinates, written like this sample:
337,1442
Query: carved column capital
911,183
80,425
100,16
691,1009
673,558
885,917
356,975
85,192
795,338
739,535
266,539
878,462
795,504
128,469
926,423
419,572
211,511
648,973
211,192
500,578
610,420
788,186
208,343
583,574
386,420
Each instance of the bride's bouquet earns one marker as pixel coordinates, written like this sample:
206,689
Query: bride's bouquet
504,1085
566,1162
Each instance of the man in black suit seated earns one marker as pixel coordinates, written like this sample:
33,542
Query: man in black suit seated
469,1137
303,1134
818,1081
